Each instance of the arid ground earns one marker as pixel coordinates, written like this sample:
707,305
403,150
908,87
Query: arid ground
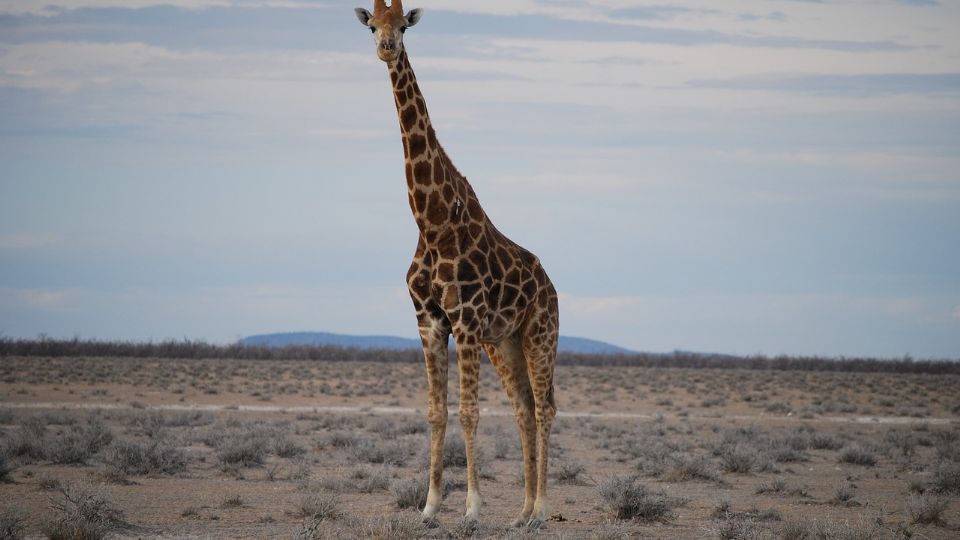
239,448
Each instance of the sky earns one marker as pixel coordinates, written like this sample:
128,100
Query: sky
746,177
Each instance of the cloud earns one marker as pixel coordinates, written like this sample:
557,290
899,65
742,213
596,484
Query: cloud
48,8
27,240
39,299
874,84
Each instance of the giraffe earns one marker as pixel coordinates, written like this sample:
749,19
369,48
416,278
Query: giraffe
470,281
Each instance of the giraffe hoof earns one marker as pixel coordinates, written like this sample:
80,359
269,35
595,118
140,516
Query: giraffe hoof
533,524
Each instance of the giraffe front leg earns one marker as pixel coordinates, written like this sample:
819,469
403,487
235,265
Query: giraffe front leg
435,354
468,360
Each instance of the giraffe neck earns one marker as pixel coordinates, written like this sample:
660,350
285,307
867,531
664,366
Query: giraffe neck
439,195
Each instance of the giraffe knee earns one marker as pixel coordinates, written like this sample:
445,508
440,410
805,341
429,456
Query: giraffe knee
437,416
469,417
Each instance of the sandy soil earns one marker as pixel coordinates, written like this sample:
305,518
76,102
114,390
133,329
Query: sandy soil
355,434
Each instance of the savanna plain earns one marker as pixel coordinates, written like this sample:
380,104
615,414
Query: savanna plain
131,447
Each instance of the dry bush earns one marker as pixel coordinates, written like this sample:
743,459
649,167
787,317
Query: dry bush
27,441
927,509
318,506
157,457
369,479
740,529
568,471
844,494
242,449
856,455
5,467
687,468
233,501
827,530
946,477
79,443
85,512
12,523
625,498
286,447
738,459
411,493
780,487
403,526
825,442
49,483
454,451
387,453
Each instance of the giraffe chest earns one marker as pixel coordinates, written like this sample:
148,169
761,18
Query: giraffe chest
486,289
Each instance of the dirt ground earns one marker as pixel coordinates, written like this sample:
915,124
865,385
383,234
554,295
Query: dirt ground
260,449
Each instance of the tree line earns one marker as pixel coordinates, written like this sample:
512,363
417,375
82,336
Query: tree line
194,349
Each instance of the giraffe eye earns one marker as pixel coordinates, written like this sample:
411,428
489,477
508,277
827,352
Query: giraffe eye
373,30
403,30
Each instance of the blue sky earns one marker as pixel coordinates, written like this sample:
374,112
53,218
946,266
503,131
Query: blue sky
757,176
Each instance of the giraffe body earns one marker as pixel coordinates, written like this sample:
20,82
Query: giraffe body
470,281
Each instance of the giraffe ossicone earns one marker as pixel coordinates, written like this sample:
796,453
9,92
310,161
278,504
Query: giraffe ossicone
470,281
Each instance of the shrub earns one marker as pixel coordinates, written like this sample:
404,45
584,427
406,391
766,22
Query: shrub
690,468
318,506
12,524
946,477
627,499
927,509
233,501
369,451
78,444
844,494
740,529
241,450
568,472
856,455
738,459
369,479
778,485
27,441
411,493
502,447
61,530
783,452
825,442
157,457
404,526
286,447
826,530
5,468
49,483
454,452
85,512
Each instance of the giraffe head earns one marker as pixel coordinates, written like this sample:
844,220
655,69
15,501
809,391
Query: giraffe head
388,25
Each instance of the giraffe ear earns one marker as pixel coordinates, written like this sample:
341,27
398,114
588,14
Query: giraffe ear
363,15
413,16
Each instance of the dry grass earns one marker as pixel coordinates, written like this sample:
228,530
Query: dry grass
361,473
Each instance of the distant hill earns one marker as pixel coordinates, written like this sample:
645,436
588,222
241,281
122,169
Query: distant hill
567,343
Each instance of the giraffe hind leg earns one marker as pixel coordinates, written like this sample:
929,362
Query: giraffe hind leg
511,366
540,351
